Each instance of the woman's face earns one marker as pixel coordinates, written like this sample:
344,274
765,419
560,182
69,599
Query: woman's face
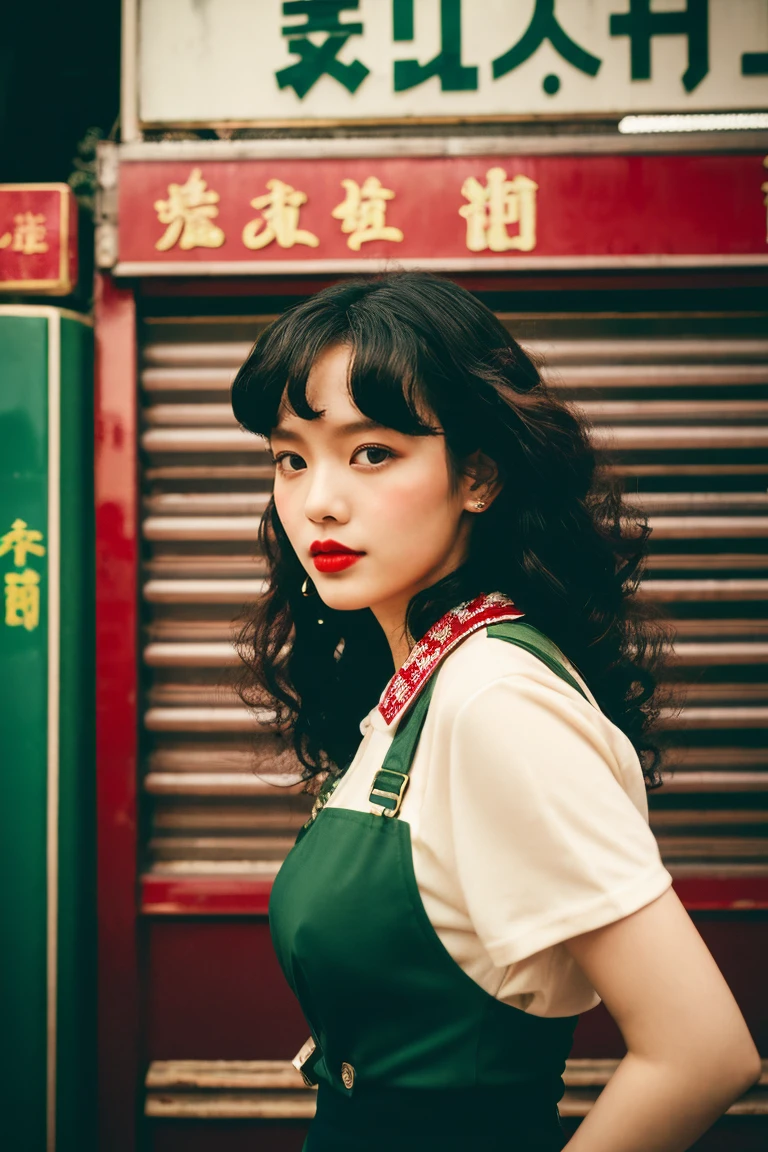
343,482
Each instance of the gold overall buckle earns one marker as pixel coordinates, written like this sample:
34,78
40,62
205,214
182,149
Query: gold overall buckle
300,1059
382,809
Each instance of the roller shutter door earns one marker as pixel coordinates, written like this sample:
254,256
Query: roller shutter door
682,403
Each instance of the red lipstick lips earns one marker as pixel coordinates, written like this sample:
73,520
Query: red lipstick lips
329,556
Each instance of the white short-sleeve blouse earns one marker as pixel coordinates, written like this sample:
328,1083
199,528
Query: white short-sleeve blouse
528,818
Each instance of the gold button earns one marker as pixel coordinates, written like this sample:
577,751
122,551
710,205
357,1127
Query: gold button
347,1075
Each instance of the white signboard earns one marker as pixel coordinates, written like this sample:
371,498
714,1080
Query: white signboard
255,61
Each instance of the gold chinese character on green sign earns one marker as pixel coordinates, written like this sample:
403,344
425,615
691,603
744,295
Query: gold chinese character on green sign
22,599
20,540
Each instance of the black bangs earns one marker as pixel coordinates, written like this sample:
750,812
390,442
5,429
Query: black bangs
388,374
389,379
280,361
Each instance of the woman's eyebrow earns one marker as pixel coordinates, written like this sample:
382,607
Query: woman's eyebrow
342,430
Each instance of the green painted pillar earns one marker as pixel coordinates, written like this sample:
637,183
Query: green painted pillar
47,764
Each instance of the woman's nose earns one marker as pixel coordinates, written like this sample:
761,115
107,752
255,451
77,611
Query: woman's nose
325,498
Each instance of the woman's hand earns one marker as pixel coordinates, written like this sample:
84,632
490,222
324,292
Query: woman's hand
689,1051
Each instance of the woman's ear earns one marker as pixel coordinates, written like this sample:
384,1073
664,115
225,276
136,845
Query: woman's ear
481,482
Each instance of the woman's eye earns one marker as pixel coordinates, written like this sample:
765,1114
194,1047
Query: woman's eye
290,462
373,454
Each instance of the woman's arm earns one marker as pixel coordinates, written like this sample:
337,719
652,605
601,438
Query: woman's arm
689,1052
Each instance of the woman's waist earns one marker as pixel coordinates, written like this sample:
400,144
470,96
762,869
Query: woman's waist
352,1094
511,1116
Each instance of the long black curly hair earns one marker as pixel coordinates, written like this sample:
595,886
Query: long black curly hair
560,538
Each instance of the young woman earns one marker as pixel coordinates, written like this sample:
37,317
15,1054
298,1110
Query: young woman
479,869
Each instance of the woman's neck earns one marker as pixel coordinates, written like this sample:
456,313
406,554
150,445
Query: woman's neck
391,619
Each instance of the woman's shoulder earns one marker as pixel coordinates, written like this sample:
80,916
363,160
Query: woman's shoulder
484,660
491,684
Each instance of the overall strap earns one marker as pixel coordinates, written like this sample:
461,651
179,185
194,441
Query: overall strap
391,780
532,640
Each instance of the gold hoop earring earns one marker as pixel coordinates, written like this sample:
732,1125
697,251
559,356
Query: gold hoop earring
306,590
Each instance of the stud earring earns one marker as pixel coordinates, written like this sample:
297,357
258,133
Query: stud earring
308,588
479,504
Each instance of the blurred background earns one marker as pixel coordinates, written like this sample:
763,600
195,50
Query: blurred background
174,174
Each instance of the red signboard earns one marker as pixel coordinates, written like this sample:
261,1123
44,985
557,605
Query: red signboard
447,212
38,239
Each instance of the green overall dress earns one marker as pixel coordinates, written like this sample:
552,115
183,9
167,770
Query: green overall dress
410,1052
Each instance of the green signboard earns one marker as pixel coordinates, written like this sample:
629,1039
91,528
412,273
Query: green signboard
47,817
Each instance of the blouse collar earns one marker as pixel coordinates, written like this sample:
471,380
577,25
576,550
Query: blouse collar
435,645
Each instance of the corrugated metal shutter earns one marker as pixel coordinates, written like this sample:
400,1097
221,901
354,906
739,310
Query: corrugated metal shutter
216,806
682,400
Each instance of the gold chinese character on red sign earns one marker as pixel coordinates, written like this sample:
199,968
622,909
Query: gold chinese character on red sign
363,213
280,208
189,212
28,236
494,206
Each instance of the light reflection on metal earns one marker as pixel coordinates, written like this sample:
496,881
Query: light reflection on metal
695,122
